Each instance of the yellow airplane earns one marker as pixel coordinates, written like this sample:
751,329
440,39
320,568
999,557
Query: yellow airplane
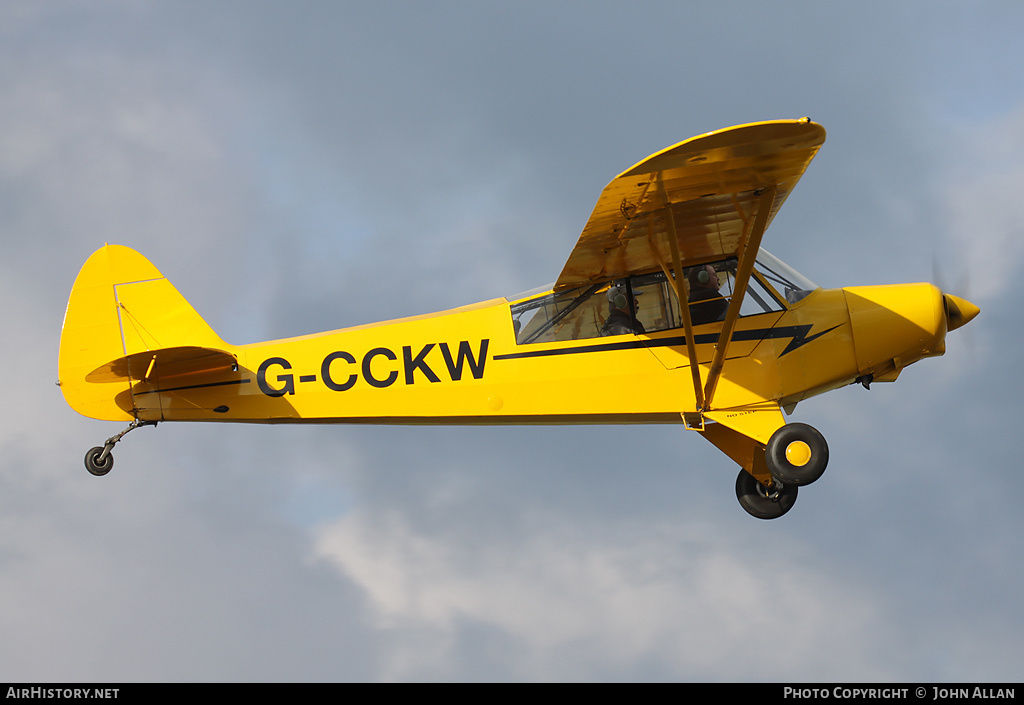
607,343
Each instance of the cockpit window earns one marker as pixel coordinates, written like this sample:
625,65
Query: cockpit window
647,303
567,315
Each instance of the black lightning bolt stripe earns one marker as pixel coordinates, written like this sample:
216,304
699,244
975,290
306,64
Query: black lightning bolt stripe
798,334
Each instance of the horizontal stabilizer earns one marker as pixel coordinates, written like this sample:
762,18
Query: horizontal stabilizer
163,364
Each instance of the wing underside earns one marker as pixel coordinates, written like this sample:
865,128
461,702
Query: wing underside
703,193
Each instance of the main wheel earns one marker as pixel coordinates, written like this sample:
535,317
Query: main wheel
764,502
96,466
796,454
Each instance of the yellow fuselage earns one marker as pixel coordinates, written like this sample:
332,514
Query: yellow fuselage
464,366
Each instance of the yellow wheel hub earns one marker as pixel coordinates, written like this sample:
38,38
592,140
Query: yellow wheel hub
798,453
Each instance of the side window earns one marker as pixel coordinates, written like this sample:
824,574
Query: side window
759,299
569,315
657,306
711,289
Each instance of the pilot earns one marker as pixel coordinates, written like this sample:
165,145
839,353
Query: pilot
706,303
621,312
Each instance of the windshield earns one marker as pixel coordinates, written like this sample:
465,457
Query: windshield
786,280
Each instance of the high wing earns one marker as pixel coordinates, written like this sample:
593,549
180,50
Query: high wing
700,196
706,198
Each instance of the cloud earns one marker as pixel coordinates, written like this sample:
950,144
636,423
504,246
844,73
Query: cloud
636,600
979,193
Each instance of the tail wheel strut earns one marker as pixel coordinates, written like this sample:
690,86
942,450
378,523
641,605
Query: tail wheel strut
99,460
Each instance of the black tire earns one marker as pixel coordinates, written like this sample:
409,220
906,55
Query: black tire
762,502
93,463
800,443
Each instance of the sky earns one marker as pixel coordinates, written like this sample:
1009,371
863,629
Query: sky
305,166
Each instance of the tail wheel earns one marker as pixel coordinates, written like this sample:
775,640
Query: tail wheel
764,502
797,454
97,462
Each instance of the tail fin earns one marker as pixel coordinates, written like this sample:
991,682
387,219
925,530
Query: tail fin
125,322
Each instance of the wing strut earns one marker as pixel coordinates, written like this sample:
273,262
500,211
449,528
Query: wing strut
683,295
747,255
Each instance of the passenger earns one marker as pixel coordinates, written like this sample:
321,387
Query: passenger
706,303
621,312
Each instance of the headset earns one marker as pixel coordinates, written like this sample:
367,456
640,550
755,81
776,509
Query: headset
700,275
617,296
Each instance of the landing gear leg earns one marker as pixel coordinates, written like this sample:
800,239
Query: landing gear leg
100,460
762,502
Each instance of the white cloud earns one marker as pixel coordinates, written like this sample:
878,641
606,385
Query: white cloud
620,599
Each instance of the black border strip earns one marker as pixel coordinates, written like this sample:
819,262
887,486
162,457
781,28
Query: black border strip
797,333
194,386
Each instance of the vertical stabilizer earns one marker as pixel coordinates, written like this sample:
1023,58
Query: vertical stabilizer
120,306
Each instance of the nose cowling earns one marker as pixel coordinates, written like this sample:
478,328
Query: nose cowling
894,326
